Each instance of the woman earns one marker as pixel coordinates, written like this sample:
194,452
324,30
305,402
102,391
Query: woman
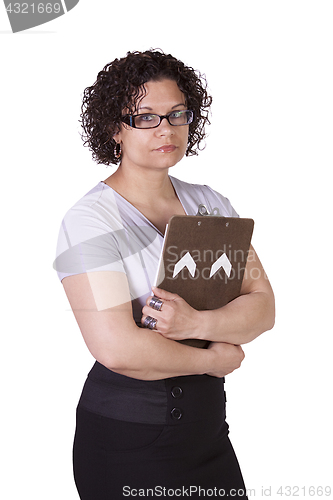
151,417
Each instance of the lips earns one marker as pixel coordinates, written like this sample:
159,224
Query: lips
167,148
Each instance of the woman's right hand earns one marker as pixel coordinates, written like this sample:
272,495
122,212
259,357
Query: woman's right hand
227,358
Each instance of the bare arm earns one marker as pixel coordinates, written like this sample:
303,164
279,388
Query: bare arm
239,322
101,305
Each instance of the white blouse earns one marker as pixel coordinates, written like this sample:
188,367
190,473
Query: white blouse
104,232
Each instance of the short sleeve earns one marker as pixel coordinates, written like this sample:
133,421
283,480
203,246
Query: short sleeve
85,244
217,200
91,235
194,195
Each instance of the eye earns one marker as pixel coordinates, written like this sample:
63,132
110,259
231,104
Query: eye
177,114
179,117
145,118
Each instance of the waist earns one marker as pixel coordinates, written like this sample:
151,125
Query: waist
170,401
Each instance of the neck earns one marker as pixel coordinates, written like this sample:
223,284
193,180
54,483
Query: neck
144,188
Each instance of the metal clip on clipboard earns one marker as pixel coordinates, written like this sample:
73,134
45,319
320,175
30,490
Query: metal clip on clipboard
203,210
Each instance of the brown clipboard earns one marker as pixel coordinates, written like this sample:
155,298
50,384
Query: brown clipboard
203,260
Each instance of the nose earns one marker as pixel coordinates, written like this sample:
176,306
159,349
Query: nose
165,128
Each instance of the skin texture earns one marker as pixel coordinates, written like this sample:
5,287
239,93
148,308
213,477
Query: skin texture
101,301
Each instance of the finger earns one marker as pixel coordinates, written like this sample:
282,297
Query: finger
155,303
149,299
149,322
163,294
143,318
149,311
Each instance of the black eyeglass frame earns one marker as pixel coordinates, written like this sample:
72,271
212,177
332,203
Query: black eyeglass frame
130,119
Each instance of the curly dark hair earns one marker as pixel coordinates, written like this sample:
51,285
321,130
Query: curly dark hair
120,85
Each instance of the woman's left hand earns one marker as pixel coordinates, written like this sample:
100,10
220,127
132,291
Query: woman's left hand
176,319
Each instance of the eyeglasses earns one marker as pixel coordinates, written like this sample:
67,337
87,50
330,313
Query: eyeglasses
149,120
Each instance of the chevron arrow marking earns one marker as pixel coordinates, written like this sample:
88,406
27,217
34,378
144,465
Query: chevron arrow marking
186,261
224,262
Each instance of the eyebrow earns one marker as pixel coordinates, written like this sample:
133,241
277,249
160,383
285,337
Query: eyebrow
173,107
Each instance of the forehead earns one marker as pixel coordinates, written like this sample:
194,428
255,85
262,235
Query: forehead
162,93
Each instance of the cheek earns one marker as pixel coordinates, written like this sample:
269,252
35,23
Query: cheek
185,141
134,145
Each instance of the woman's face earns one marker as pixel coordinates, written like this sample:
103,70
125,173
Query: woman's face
157,148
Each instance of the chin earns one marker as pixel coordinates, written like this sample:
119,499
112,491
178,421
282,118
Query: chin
168,162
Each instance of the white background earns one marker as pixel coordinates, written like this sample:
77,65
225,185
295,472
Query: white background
269,69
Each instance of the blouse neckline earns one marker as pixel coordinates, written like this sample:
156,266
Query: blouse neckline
139,212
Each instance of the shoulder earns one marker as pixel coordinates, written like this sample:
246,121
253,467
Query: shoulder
87,232
96,209
196,194
90,201
91,219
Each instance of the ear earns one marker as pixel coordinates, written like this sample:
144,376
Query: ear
117,137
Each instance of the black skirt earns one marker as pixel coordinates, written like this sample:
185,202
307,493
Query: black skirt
155,439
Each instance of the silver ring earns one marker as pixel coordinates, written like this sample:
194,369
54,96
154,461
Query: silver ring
155,303
150,323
